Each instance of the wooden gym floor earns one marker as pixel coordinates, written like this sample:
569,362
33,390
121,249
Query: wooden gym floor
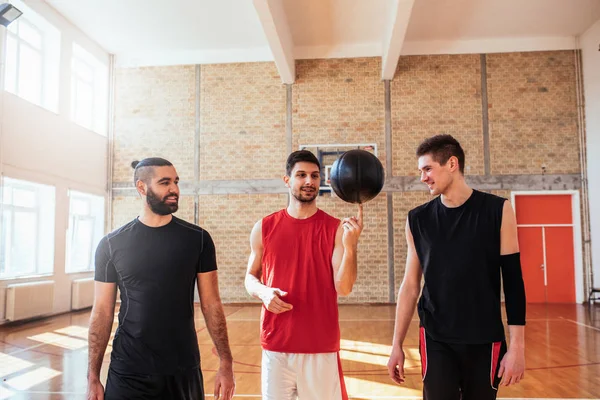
47,359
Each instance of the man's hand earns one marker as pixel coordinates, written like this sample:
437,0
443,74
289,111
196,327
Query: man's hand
95,390
396,365
271,300
224,383
353,226
512,366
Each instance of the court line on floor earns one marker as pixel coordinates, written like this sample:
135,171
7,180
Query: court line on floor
581,324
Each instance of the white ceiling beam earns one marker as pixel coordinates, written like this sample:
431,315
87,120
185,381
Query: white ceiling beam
394,38
274,22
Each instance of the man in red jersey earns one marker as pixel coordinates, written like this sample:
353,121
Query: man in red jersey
301,259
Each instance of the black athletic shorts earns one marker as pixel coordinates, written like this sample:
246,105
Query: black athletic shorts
453,371
183,386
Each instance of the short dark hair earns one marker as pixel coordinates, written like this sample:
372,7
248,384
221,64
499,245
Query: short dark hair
441,148
143,169
300,156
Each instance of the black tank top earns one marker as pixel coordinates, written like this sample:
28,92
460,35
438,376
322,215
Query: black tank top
459,252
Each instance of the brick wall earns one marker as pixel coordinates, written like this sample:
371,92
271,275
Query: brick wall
339,101
154,116
433,95
533,113
242,123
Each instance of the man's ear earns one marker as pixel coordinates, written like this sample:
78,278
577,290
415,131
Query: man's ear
141,187
286,179
453,163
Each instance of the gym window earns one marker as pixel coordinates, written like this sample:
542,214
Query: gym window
89,91
33,59
86,227
26,228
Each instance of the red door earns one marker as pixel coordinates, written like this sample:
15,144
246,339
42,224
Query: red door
560,265
532,263
545,229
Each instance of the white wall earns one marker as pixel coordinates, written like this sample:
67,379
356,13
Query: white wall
41,146
590,46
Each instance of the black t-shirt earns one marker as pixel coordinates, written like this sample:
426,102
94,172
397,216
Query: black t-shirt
459,252
156,270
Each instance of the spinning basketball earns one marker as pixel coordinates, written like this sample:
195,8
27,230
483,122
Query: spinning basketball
357,176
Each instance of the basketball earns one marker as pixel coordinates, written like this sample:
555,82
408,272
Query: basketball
357,176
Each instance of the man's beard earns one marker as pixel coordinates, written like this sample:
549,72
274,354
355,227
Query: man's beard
160,206
304,197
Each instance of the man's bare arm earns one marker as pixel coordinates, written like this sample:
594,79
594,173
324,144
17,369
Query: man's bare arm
271,297
253,283
212,309
512,366
405,308
101,322
345,259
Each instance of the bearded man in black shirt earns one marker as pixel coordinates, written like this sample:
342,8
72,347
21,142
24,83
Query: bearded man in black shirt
156,260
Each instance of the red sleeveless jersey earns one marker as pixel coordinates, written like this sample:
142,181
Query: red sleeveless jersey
297,259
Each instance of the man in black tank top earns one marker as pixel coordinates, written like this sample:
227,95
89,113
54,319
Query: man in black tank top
156,260
460,243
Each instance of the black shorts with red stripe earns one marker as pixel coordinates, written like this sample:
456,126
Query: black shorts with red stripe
452,371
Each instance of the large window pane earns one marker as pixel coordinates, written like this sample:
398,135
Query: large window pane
5,241
89,90
83,70
10,81
33,58
30,34
83,235
30,74
84,103
24,243
86,228
6,195
27,234
23,197
80,206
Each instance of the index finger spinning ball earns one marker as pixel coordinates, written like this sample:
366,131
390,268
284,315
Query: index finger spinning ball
357,176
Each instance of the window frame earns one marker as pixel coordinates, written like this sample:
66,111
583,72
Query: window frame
20,41
71,232
37,211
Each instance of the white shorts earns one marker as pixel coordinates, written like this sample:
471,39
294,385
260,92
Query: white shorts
290,376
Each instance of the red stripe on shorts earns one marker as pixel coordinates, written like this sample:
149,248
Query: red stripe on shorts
423,350
342,383
495,356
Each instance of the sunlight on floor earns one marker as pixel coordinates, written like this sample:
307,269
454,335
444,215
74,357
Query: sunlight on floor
10,364
5,393
65,342
373,348
73,330
362,357
375,354
365,389
32,378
